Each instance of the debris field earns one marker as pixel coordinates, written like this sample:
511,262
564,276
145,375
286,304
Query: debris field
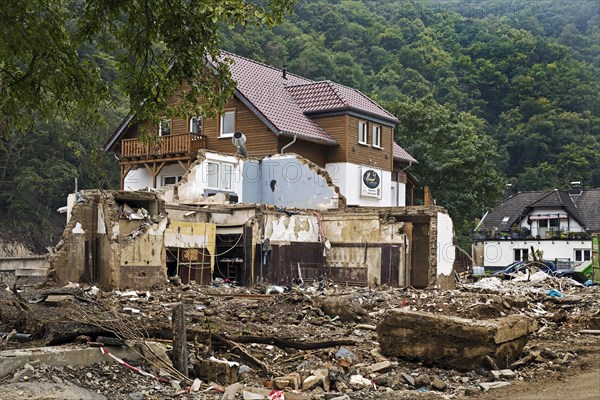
318,341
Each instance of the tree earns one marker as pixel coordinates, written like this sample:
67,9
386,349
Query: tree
456,157
45,72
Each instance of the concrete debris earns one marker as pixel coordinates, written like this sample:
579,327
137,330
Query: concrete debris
244,344
453,342
493,385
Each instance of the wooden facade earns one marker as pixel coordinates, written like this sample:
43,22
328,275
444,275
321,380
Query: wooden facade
181,146
367,154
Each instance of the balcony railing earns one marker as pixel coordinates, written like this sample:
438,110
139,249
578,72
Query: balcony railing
186,144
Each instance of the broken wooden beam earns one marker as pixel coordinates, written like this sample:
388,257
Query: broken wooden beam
180,354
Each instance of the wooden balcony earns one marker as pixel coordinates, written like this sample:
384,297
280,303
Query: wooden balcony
163,147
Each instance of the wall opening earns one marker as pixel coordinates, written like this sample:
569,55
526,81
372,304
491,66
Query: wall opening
190,264
230,256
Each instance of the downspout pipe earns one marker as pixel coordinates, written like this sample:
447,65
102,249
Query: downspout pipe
289,144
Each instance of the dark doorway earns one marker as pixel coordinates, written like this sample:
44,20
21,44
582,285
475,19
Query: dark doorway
230,255
419,272
390,265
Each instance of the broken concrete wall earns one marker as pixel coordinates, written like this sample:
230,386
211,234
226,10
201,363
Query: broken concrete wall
354,247
100,246
192,246
446,251
289,180
425,248
211,173
453,342
283,180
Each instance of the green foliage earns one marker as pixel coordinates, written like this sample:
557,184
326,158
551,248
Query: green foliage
456,157
514,81
68,67
521,77
46,72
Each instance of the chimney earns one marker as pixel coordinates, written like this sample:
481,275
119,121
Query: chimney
284,72
509,191
576,188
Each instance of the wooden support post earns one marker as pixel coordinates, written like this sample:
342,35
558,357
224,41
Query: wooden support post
180,354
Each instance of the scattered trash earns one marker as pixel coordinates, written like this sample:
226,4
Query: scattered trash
275,289
276,395
555,293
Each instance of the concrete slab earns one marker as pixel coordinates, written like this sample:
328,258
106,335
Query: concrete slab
59,356
47,391
453,342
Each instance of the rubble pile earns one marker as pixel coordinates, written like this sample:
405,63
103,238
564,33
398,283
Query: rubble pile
321,341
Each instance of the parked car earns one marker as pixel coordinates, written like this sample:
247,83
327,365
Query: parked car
569,273
547,266
519,266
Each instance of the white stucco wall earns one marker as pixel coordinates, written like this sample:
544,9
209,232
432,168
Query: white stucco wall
445,244
169,170
347,177
138,178
399,199
500,253
197,178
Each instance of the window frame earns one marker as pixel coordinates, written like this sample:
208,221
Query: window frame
177,179
190,124
224,175
222,120
361,131
376,131
521,253
160,126
584,255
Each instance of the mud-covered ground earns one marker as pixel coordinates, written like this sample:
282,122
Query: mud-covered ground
558,357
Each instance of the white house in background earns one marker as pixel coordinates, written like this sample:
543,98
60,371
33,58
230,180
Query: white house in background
557,222
336,127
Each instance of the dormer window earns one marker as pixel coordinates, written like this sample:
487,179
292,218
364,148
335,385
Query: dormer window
196,125
164,127
363,133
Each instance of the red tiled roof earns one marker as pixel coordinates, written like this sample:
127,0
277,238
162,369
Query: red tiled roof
328,96
402,155
281,103
264,87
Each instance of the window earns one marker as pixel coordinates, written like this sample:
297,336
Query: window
164,127
227,123
553,224
219,176
582,255
376,136
521,254
196,125
171,180
363,135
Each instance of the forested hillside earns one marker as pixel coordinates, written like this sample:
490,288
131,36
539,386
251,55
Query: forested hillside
487,93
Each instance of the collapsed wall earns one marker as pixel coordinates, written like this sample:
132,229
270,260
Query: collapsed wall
453,342
113,239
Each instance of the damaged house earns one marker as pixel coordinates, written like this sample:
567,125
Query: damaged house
297,180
